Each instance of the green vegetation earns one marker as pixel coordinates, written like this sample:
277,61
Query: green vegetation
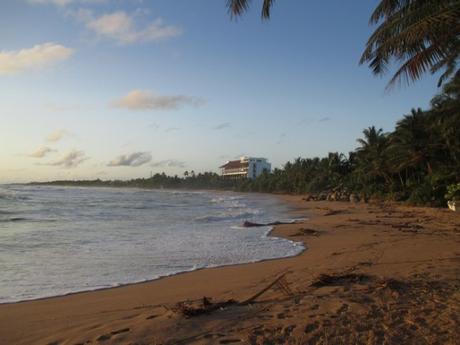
419,162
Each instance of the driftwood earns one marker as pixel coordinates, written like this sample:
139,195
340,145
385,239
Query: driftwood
279,282
207,306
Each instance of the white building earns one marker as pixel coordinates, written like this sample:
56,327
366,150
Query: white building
246,167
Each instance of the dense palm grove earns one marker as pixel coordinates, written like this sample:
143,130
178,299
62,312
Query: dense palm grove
419,162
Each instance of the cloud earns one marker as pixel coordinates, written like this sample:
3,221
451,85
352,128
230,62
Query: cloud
148,100
41,152
39,56
222,126
324,119
64,2
56,136
53,2
170,163
70,160
134,159
123,28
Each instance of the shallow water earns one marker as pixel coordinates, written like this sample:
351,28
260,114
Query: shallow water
58,240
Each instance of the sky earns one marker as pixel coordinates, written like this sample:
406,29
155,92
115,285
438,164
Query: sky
118,89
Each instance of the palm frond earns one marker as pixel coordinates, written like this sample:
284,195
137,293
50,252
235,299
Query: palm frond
406,29
237,7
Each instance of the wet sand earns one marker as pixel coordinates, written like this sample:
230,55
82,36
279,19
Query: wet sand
371,274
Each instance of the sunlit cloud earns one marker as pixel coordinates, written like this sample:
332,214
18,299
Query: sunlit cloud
56,136
147,100
169,163
41,152
39,56
70,160
134,159
124,28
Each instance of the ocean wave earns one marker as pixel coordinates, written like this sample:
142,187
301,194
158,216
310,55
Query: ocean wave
123,232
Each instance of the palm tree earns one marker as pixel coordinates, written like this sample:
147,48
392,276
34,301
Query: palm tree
238,7
372,155
412,145
421,35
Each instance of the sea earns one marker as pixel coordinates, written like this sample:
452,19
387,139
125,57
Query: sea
58,240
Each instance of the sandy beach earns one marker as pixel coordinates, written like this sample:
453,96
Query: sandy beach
371,274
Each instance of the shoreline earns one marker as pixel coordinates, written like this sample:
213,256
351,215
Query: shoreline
269,233
151,280
367,239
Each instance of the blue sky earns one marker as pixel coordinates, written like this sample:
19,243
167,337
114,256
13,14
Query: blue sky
119,89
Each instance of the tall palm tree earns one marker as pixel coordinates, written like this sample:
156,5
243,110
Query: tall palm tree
238,7
412,145
372,155
421,35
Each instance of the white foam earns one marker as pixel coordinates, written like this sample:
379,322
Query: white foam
103,237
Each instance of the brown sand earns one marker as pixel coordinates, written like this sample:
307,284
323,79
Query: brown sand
393,278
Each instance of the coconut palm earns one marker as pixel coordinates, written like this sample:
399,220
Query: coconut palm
412,145
372,156
238,7
420,35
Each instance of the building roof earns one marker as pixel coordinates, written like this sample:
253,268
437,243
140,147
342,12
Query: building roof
234,165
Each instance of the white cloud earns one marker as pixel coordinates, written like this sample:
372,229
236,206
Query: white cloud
70,160
39,56
123,28
134,159
148,100
56,135
41,152
170,163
